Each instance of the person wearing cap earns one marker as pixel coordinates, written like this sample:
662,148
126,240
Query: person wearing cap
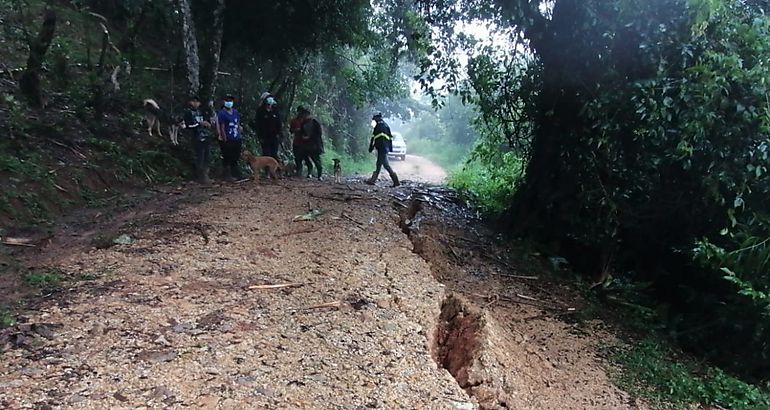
195,127
268,125
295,127
230,133
382,141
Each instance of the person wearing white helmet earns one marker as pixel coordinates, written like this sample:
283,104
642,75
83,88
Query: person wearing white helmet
268,126
382,141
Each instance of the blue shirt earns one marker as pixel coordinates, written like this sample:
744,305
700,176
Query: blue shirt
230,122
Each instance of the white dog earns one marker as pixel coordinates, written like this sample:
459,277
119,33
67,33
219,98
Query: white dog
153,116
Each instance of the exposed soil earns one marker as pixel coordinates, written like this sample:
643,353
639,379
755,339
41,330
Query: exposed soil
391,299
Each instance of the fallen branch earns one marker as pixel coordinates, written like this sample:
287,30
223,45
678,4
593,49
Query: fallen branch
18,242
508,275
276,286
76,152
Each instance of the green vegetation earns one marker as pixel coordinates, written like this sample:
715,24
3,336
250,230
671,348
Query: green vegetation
650,370
7,318
491,187
446,135
44,278
645,151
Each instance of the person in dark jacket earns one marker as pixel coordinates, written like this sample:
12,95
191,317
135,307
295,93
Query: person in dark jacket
295,127
312,142
268,125
195,127
382,141
231,133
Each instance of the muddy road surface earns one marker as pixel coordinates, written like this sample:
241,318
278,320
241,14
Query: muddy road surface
419,169
298,295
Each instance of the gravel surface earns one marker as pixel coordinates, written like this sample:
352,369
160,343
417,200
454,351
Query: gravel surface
365,316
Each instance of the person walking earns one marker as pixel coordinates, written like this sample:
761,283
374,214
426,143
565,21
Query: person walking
268,126
230,134
195,128
382,141
312,142
300,156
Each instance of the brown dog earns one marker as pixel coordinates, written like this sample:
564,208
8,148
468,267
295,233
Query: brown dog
257,164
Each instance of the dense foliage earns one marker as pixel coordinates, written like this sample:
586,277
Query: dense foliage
644,125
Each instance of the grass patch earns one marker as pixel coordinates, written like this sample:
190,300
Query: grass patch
45,278
7,318
650,372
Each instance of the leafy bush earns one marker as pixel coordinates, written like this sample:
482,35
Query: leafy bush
649,371
490,184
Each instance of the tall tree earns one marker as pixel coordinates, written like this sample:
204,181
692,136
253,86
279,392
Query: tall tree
38,47
190,45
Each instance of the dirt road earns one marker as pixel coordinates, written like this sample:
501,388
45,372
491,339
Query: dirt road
419,169
297,295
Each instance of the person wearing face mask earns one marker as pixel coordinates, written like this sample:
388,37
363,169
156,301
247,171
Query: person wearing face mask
267,123
230,134
195,126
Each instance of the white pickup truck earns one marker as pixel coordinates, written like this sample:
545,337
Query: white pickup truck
399,146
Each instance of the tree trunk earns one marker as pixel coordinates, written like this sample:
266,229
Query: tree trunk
210,69
547,194
190,43
30,79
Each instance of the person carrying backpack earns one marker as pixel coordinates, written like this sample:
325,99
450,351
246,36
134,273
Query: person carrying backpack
231,134
382,141
312,142
195,128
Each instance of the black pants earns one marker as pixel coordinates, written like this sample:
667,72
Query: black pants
231,153
315,156
269,147
222,149
201,153
382,162
300,156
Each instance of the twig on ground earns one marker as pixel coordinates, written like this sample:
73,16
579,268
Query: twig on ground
336,304
346,216
276,286
508,275
17,242
525,301
454,252
518,295
57,186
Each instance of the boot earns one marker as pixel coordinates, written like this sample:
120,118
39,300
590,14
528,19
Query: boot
373,179
205,176
236,172
394,177
226,175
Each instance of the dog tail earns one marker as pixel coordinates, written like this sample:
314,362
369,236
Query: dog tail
151,105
